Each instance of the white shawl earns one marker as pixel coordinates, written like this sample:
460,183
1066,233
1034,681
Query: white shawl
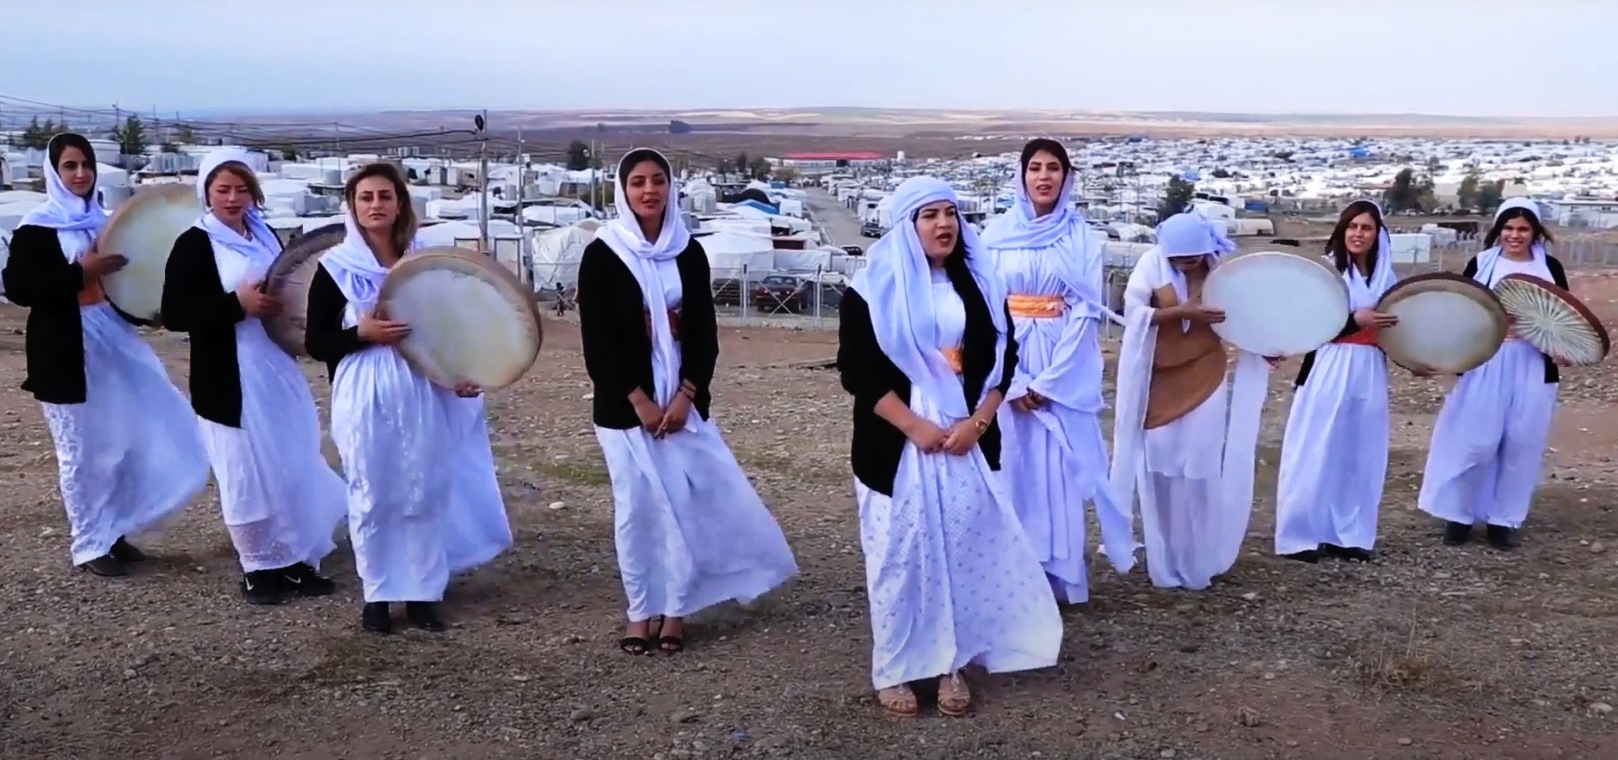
77,220
623,235
1488,258
1364,292
897,285
238,258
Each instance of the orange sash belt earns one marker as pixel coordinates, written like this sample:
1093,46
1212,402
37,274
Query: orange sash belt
953,356
92,294
1360,337
1036,307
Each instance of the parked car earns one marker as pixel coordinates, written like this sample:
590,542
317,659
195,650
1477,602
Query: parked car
853,250
773,295
871,230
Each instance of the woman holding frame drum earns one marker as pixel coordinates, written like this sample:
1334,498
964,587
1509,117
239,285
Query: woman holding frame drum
1489,441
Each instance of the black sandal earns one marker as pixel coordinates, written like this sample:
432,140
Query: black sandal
640,646
670,645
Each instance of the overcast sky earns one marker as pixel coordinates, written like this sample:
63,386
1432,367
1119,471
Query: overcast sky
1476,57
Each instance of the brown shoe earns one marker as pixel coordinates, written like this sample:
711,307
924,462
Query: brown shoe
954,698
898,700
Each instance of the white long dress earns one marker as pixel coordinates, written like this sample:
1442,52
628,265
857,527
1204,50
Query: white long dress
1334,456
1193,476
690,530
282,502
130,455
418,471
1054,459
951,577
1489,441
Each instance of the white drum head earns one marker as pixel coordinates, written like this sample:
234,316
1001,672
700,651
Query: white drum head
470,319
144,230
288,279
1277,303
1553,320
1447,322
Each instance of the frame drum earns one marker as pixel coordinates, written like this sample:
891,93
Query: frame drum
1553,320
470,319
1277,303
289,278
144,230
1447,322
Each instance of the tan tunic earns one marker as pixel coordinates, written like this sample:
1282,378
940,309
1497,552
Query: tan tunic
1188,366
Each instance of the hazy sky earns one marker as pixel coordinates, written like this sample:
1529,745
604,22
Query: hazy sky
1478,57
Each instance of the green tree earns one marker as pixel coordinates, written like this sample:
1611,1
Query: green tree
131,136
1176,197
578,156
1489,195
1466,196
37,134
759,167
742,164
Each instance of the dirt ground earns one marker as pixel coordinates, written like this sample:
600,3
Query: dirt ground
1427,653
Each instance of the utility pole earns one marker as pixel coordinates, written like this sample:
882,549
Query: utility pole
523,274
482,121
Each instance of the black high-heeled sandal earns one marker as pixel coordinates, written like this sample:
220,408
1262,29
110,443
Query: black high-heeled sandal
641,646
671,645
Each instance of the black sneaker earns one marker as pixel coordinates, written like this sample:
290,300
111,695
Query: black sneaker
264,587
1501,537
424,615
376,618
302,579
106,566
1456,533
126,552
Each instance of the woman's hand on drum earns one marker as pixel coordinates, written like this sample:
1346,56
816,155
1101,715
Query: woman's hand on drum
256,302
928,437
1197,312
1422,370
95,263
1371,319
1274,361
377,328
467,390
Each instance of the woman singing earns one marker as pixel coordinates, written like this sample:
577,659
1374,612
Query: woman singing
690,530
1334,456
126,444
925,350
1054,456
418,470
281,500
1489,441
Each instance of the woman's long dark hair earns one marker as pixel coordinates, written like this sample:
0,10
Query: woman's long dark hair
1541,235
978,349
1337,246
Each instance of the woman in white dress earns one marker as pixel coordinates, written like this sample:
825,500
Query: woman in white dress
281,501
1489,440
1187,451
1053,455
1334,456
924,348
127,447
690,530
421,501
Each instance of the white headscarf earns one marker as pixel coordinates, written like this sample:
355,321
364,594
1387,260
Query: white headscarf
239,259
68,213
1021,228
1179,236
1365,291
897,285
354,266
1491,256
623,235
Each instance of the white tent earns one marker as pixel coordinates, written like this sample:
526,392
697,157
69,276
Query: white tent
557,253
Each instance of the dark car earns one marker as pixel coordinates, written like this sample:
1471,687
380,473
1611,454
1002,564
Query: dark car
871,230
853,250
